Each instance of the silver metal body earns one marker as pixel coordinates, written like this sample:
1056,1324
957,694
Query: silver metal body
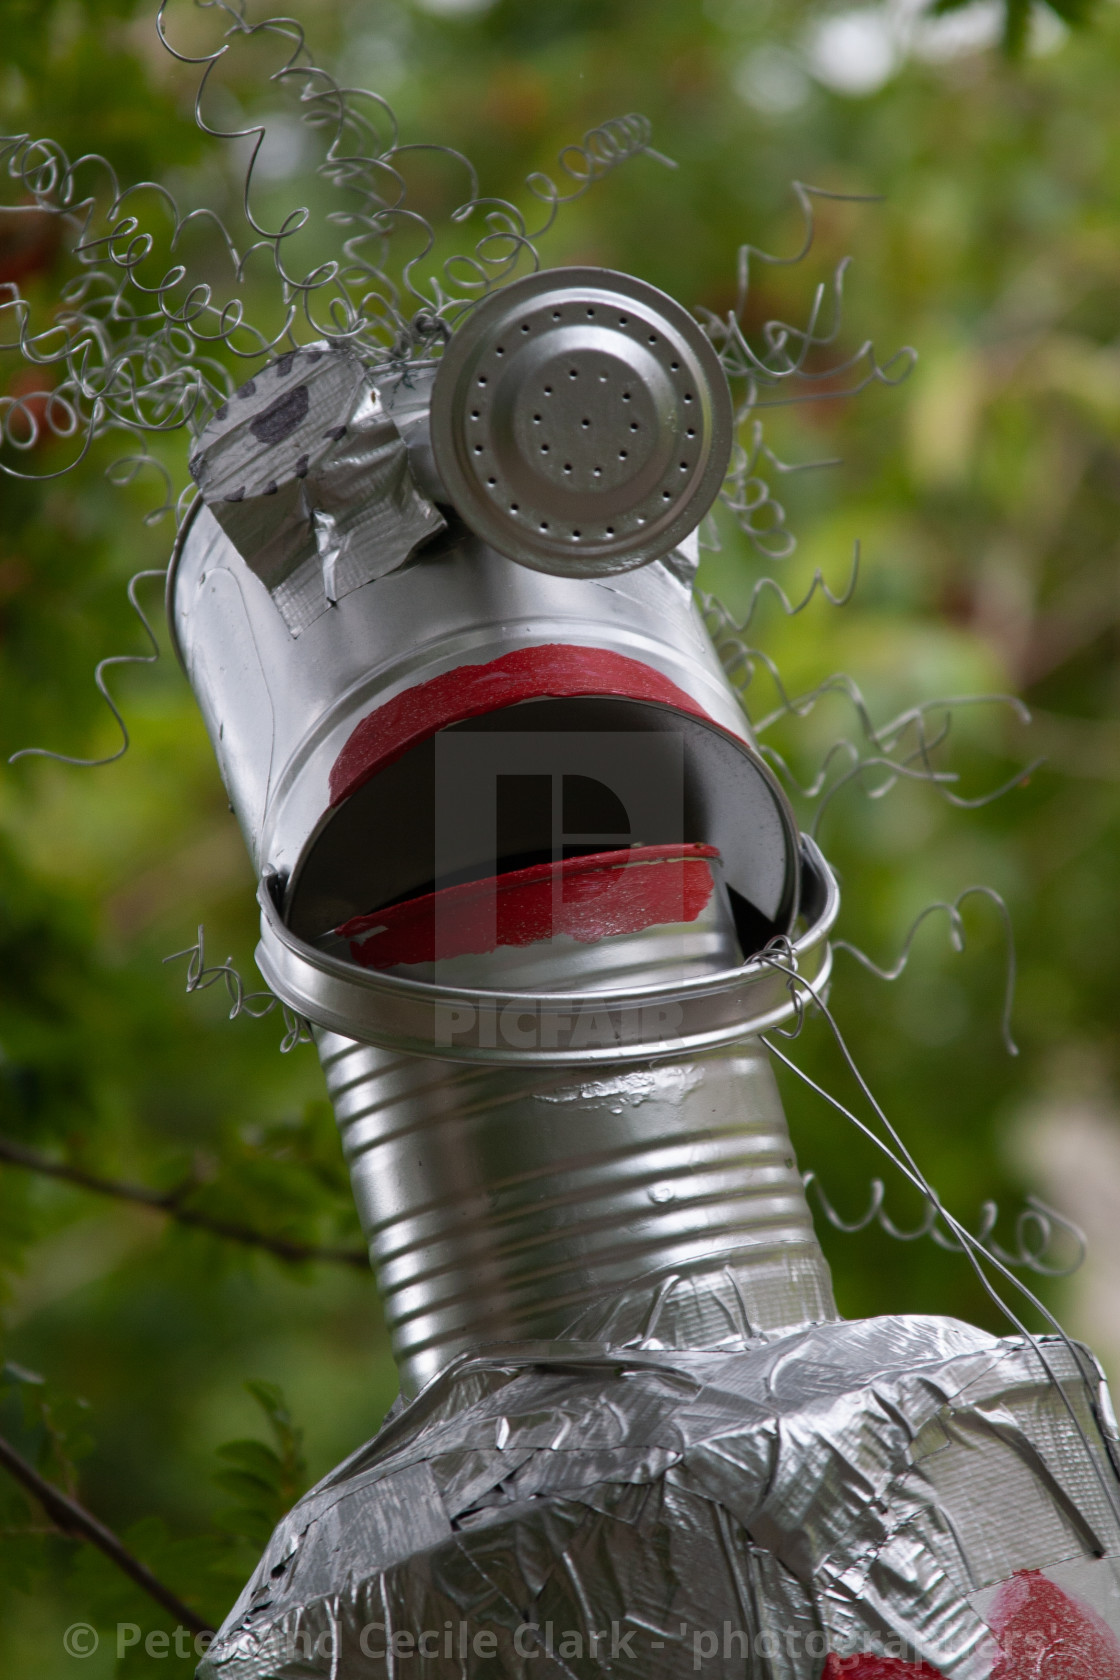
605,1145
639,1441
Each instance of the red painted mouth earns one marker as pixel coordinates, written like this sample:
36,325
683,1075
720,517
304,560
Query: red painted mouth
587,898
551,671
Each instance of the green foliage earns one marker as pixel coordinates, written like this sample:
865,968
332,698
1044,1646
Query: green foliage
204,1568
52,1432
985,494
57,1422
265,1481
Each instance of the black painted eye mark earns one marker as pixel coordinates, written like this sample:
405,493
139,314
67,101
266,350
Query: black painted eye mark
280,419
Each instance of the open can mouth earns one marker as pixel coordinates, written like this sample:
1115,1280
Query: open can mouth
599,921
631,1022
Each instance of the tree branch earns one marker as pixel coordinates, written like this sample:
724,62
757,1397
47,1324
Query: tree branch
168,1202
75,1520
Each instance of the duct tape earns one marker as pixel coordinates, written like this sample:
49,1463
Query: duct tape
896,1497
311,480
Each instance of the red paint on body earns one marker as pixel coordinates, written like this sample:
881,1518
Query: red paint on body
588,898
554,671
1044,1634
865,1666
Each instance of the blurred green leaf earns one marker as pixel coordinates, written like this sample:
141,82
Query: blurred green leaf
265,1480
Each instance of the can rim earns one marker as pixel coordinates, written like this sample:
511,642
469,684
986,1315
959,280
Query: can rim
460,1024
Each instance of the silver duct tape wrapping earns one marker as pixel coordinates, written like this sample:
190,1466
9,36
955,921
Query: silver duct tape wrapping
884,1498
310,479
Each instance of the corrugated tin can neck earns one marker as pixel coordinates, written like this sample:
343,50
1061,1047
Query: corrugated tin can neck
655,1204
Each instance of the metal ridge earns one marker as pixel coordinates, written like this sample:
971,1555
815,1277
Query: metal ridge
547,1028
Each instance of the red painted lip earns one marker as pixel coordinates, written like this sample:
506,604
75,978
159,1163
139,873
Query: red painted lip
554,671
588,898
865,1666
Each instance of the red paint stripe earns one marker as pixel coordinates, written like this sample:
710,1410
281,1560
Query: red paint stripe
554,670
865,1666
589,898
1045,1634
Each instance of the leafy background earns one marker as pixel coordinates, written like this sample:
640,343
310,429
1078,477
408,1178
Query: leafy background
155,1368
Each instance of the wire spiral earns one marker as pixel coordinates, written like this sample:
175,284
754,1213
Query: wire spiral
787,366
145,341
1036,1228
202,975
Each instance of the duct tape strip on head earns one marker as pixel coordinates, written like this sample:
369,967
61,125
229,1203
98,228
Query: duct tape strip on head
309,478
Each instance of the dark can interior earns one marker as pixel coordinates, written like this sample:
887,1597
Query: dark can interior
380,846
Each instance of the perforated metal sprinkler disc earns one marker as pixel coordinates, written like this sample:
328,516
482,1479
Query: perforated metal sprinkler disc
581,422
